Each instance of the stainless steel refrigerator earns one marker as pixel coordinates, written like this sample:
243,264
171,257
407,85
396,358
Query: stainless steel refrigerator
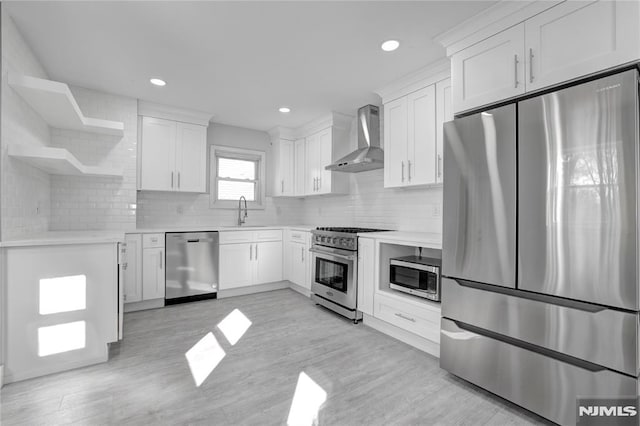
540,262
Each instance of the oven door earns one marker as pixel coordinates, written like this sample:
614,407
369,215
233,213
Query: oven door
334,275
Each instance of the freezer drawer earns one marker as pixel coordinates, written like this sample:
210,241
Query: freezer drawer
593,333
479,205
577,176
540,383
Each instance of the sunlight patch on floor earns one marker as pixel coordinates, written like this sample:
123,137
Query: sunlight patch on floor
306,403
234,325
204,357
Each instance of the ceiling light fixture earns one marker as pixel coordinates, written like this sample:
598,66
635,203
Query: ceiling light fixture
158,82
390,45
284,110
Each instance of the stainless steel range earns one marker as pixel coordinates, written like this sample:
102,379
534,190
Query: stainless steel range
335,266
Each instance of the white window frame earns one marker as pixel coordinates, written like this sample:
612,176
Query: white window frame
238,154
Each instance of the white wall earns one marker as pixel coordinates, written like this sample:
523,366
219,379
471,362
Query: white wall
25,193
90,203
158,209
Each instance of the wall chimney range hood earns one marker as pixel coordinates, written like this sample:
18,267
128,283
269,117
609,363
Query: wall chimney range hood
369,155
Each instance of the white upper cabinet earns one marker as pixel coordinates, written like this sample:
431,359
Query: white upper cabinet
283,152
490,70
412,121
157,154
300,167
395,142
580,38
172,149
421,143
548,46
444,113
191,158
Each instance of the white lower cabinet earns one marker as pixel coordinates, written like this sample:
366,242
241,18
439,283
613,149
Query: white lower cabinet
297,259
258,261
366,274
144,277
418,318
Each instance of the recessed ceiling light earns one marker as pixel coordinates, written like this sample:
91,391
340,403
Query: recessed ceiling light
284,110
390,45
158,82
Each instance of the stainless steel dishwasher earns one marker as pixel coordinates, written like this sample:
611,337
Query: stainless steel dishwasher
192,266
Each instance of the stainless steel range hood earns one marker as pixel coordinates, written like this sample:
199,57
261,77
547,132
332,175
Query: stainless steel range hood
369,155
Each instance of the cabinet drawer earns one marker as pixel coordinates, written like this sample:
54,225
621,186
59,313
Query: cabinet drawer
236,237
299,236
269,235
423,321
152,240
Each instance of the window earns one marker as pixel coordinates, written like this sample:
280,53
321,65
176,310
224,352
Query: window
237,172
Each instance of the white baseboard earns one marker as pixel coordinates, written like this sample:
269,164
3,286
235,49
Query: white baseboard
145,304
250,289
299,289
425,345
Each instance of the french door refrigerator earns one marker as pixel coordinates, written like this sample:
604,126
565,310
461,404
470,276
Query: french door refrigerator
540,263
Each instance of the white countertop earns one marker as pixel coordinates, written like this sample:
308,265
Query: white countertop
425,239
52,238
218,228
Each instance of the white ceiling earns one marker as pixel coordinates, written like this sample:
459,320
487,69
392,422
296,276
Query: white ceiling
239,60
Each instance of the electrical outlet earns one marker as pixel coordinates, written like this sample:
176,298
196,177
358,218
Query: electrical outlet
437,210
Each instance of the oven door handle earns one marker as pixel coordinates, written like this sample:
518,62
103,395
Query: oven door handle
340,256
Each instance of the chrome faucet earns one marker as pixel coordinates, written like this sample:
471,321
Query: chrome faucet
242,219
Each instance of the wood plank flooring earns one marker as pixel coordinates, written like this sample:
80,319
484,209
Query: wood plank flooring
369,378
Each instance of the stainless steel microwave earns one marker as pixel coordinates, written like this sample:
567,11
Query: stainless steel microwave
419,276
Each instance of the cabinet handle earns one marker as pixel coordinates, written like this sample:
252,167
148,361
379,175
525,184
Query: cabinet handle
530,65
515,70
171,179
160,255
409,169
178,180
250,251
405,317
402,171
438,165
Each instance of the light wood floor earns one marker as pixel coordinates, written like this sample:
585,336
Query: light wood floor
369,378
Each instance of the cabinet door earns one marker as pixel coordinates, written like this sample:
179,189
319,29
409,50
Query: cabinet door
395,142
153,273
268,258
578,38
157,154
366,274
444,113
489,71
236,265
286,168
300,167
297,263
133,269
191,158
311,161
324,159
421,146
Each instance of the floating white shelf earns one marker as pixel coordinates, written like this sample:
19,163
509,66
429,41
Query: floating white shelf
57,106
58,161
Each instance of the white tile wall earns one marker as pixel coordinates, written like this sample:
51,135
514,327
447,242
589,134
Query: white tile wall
25,193
91,203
